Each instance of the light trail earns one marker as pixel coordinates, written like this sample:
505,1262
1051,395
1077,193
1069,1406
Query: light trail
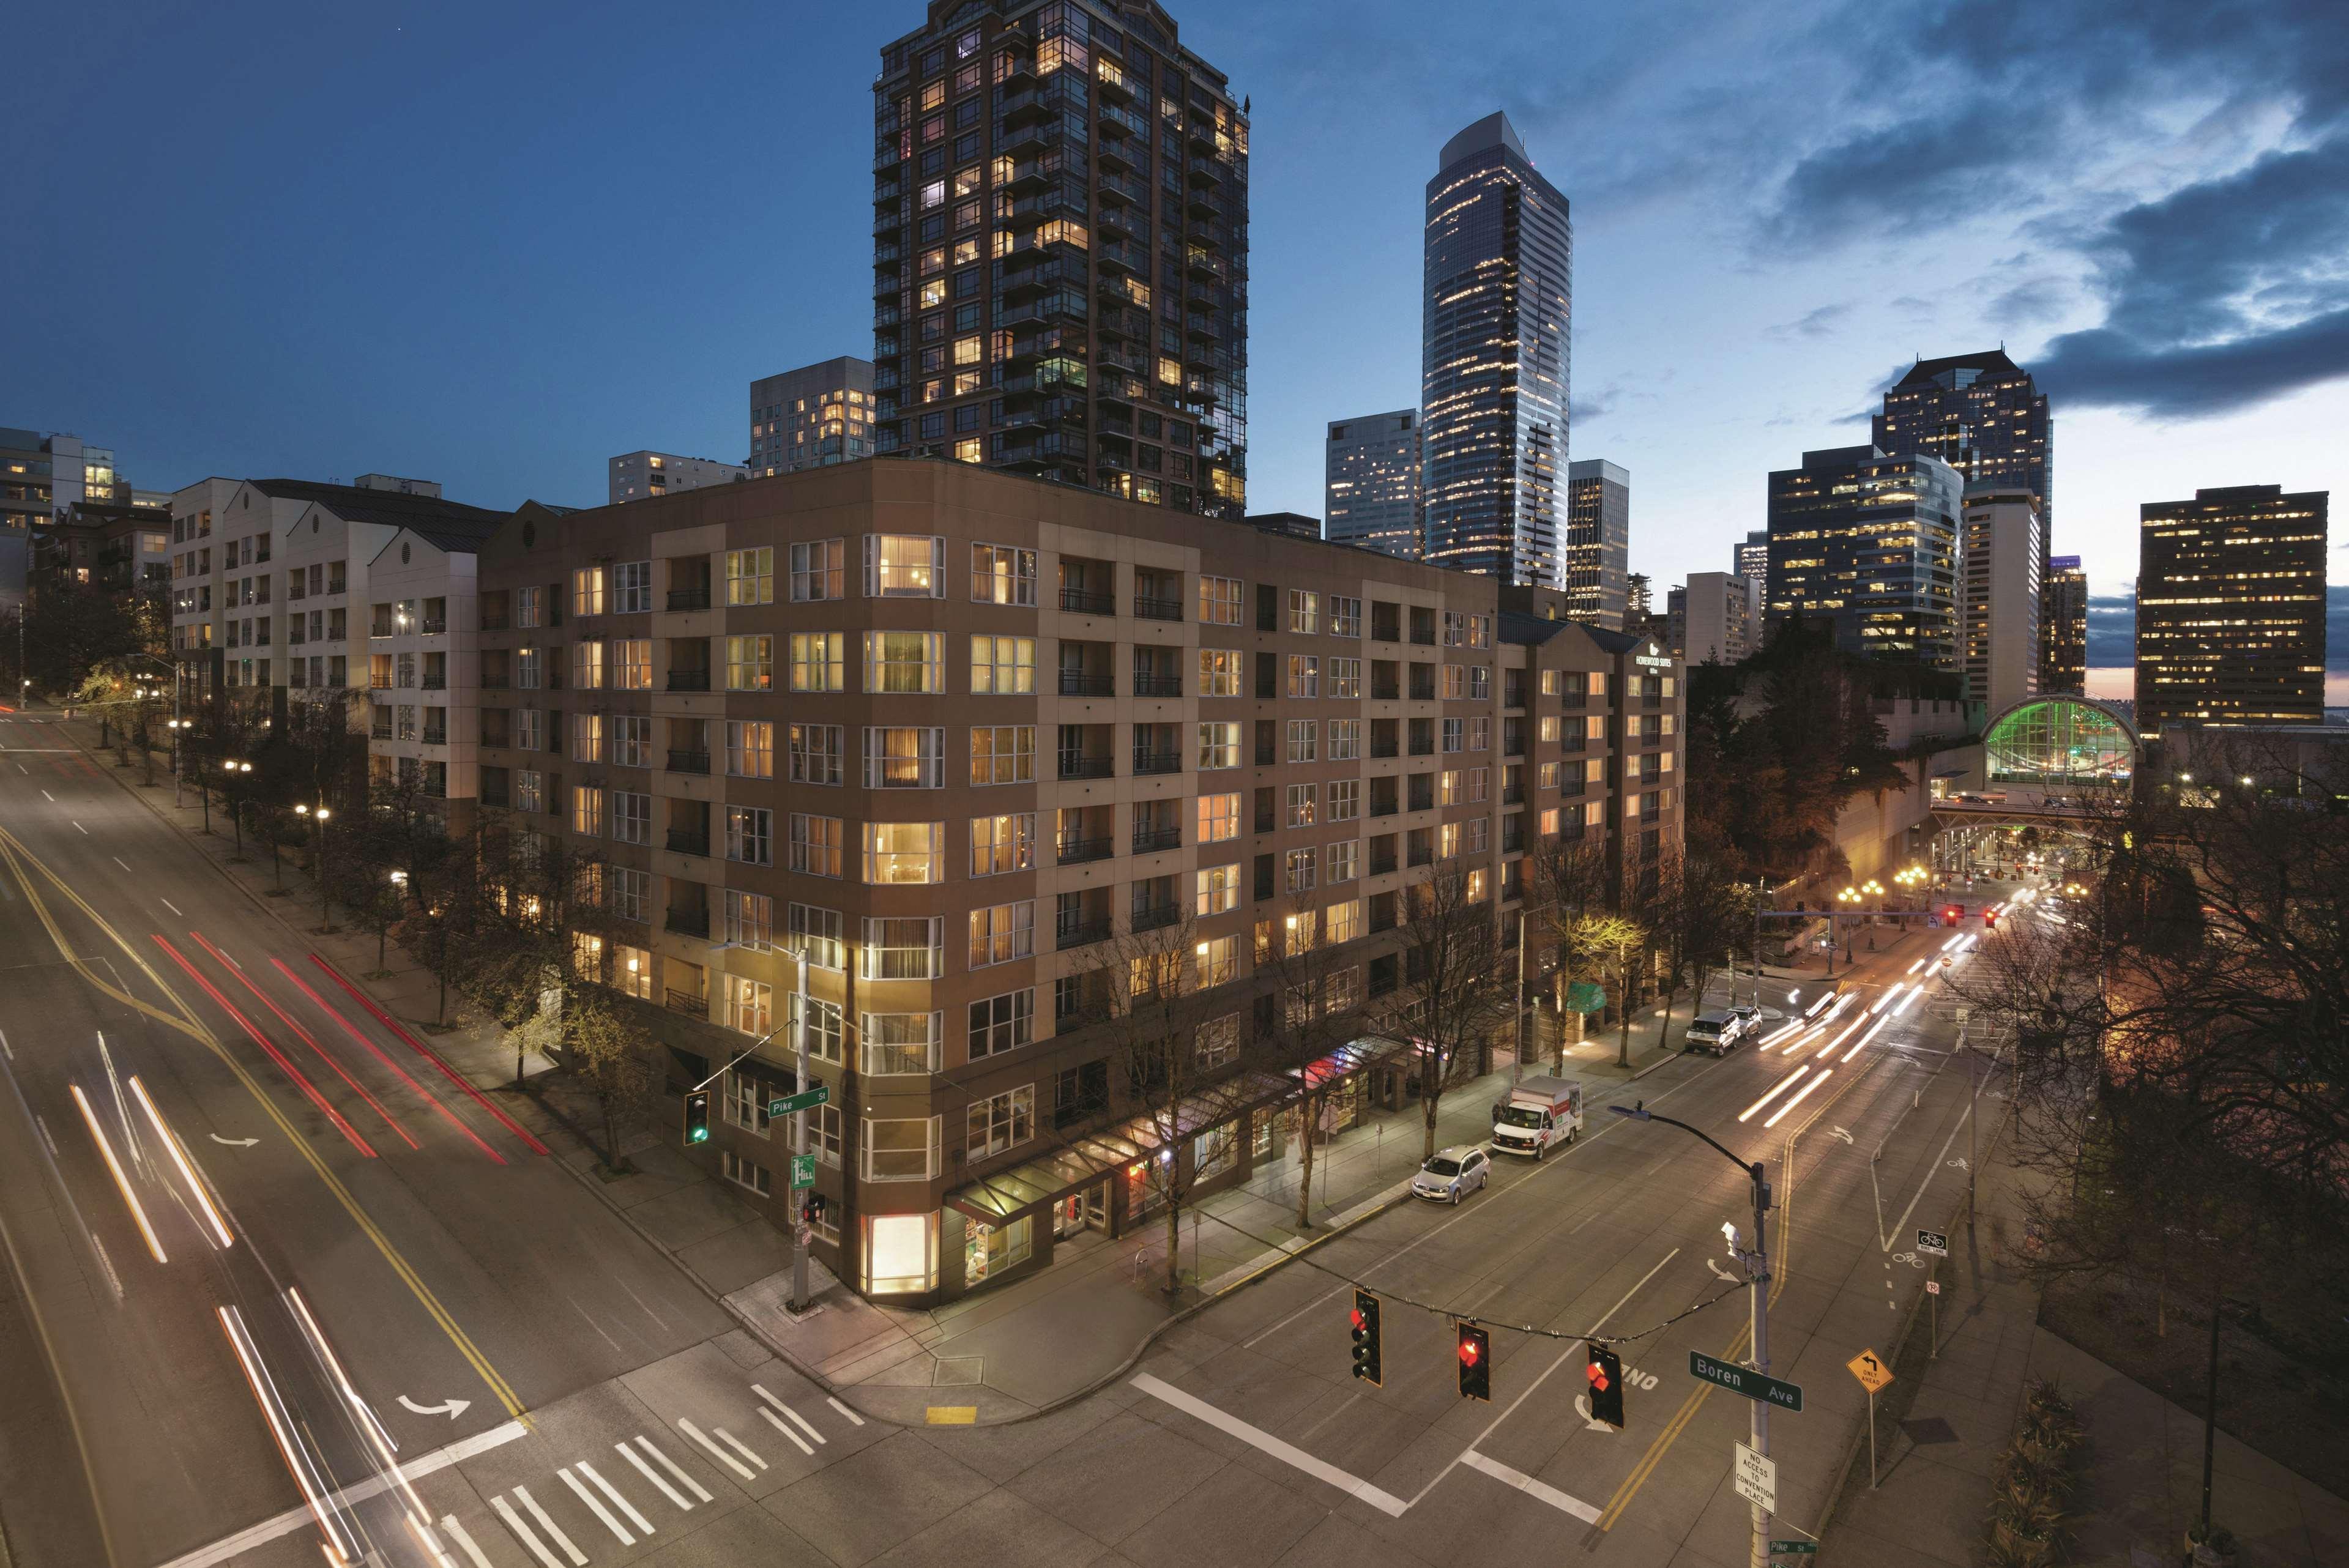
1812,1010
275,1055
1781,1087
302,1034
298,1463
1865,1038
381,1439
1777,1035
1836,1044
1914,967
1800,1095
352,1029
1911,1002
187,1170
1885,1000
121,1182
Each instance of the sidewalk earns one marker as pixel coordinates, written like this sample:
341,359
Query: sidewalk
2142,1469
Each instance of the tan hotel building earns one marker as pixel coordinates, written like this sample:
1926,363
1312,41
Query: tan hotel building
948,731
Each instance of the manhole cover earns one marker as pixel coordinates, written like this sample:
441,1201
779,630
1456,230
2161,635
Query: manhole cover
955,1371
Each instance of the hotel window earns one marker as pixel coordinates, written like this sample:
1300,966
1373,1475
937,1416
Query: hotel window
904,566
819,570
1450,788
904,757
587,591
1479,879
1219,747
1300,864
970,450
750,664
897,1044
586,736
1002,1121
1304,610
1345,616
1220,600
1345,739
999,1024
586,665
751,835
823,1129
587,811
1304,675
815,847
526,613
749,919
1219,890
1593,728
746,1104
1341,862
904,663
1000,574
526,669
632,587
1304,740
1219,819
632,658
903,949
1218,961
1480,734
1456,734
1594,813
529,791
1304,803
1553,683
632,818
1480,785
1003,754
825,1024
1597,679
1346,678
1345,799
632,740
1447,840
817,662
815,752
903,853
1341,921
1549,823
1594,770
819,935
1002,666
1217,1042
750,748
749,1005
1002,844
1549,728
1219,671
1002,932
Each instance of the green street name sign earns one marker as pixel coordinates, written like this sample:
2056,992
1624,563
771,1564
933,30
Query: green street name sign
1792,1548
806,1100
1740,1380
803,1171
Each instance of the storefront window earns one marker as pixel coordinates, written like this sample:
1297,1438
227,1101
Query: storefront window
990,1249
1214,1152
900,1254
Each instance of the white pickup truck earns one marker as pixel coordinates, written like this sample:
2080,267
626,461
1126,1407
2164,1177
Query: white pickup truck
1538,1114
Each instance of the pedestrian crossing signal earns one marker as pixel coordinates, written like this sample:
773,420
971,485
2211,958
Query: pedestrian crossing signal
1367,1357
1606,1375
1476,1363
697,1116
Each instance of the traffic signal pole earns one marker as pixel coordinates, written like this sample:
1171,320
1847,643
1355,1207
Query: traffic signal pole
802,1232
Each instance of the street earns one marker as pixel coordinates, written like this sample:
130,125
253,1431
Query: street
299,1287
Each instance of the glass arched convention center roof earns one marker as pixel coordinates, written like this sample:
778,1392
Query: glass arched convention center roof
2060,740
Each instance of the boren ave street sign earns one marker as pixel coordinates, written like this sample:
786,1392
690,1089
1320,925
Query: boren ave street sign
1744,1380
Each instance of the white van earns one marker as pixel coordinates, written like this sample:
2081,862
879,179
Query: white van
1539,1114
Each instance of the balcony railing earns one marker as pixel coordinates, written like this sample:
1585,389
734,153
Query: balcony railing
690,1002
1077,683
1073,767
1150,762
1158,608
688,598
1146,685
1078,601
684,842
497,797
688,761
689,680
1068,934
1153,916
1151,840
1076,852
689,922
435,683
433,628
497,623
1385,749
1380,864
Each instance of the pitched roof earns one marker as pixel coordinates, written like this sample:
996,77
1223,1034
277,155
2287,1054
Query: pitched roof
450,525
1925,370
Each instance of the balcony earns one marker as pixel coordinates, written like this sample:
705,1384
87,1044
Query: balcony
689,922
1068,934
1077,851
1157,685
434,628
1154,916
490,623
691,1003
497,797
1146,763
684,842
1381,863
1076,767
1077,683
688,761
435,683
1151,840
1079,602
689,680
688,598
1158,608
1385,749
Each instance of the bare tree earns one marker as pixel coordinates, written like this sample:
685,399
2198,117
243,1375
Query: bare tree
1315,1008
1458,986
1698,912
614,1055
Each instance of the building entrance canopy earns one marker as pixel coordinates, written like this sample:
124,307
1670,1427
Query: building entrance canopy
2060,742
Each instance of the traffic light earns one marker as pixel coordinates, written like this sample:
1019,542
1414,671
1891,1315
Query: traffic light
812,1209
1366,1357
1953,915
1476,1363
1990,920
697,1116
1606,1374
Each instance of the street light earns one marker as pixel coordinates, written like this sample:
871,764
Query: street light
319,816
234,770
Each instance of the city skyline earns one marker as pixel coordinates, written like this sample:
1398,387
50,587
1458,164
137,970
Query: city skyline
467,372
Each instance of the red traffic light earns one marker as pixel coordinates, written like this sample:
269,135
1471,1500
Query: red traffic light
1476,1363
1990,920
1358,1317
1470,1351
1598,1375
1954,913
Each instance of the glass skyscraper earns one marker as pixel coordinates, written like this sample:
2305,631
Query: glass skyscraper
1499,295
1870,544
1371,483
1983,415
2230,608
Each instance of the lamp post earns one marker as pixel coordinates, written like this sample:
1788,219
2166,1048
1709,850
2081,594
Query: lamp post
399,886
318,869
1849,899
235,770
1874,892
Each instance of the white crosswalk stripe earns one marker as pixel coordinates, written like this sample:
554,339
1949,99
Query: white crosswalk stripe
844,1410
522,1532
643,1524
578,1558
668,1491
457,1533
740,1446
720,1455
595,1506
792,1437
801,1421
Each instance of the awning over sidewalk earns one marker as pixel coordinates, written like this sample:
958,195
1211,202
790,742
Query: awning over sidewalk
1348,1060
1088,1158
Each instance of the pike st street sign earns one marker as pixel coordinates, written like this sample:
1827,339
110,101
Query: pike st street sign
1743,1380
806,1100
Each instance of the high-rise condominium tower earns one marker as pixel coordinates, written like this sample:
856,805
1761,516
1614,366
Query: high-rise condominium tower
1370,482
1751,559
1869,543
1998,595
2064,626
1983,415
1497,298
2230,608
811,417
1060,251
1597,542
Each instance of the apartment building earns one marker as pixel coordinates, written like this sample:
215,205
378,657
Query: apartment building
634,476
423,669
952,735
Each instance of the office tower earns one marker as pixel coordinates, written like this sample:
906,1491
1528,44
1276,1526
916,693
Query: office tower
2230,608
41,479
1751,560
805,418
641,475
1998,594
1714,615
1497,296
1371,483
1597,542
2064,626
1983,415
1060,251
1636,596
1868,542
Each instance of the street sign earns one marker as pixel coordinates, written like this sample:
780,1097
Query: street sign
1757,1478
1792,1549
1934,1242
1869,1368
806,1100
1932,1287
803,1171
1744,1380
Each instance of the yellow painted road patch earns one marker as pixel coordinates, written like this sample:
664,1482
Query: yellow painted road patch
953,1415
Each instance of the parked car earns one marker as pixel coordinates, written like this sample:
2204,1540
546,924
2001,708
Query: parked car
1717,1031
1451,1174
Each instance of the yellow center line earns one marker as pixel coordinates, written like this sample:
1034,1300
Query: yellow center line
13,851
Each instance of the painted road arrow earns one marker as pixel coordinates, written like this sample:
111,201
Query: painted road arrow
235,1142
452,1409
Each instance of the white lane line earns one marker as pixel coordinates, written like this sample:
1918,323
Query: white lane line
52,800
670,1464
608,1490
457,1533
1930,1172
4,1049
595,1506
522,1532
796,1440
1256,1437
118,860
843,1409
720,1455
84,831
578,1558
645,1470
738,1446
1524,1483
167,904
805,1424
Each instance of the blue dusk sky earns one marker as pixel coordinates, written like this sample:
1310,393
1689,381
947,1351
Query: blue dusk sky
496,244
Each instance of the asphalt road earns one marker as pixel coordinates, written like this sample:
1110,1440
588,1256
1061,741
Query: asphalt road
385,1243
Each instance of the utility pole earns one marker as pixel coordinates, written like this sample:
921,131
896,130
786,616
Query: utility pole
1518,1057
1761,887
802,1232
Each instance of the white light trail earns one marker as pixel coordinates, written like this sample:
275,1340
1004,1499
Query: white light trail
1781,1087
1779,1034
1885,1000
1800,1096
121,1182
1916,966
1812,1010
1865,1038
1911,1002
1953,941
264,1393
171,1142
373,1428
1832,1046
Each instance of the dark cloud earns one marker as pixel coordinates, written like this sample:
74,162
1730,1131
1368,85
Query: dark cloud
1820,323
2032,302
1916,173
